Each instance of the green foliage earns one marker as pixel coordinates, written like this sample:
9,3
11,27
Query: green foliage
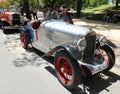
59,2
94,3
34,3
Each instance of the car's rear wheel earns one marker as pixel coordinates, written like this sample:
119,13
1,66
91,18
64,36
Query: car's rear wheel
67,70
22,39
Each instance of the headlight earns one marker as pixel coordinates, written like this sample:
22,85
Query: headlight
102,40
10,17
81,44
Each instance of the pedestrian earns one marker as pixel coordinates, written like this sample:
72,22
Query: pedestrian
48,13
34,11
55,13
65,16
44,11
21,10
107,17
115,17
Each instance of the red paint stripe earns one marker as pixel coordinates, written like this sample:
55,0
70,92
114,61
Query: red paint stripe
36,33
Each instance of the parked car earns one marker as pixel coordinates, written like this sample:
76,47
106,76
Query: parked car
77,50
9,19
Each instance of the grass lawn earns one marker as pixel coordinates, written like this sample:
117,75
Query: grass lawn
97,13
99,9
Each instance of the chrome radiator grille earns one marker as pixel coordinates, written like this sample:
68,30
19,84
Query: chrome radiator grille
91,44
16,19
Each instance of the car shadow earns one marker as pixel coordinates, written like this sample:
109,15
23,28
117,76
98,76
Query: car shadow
8,32
90,85
93,84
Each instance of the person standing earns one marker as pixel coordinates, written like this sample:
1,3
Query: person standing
21,10
55,13
34,11
65,16
48,13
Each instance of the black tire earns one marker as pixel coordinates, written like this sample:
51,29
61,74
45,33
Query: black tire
67,70
111,56
0,25
23,40
107,55
4,30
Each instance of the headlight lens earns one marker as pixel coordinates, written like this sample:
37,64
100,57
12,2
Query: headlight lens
102,40
10,17
81,44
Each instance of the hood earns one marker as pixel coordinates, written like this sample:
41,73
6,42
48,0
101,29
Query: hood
60,26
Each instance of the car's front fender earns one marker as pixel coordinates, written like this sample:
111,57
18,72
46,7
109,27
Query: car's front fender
5,22
67,48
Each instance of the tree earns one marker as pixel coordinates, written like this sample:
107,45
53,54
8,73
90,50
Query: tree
27,9
117,2
79,7
49,2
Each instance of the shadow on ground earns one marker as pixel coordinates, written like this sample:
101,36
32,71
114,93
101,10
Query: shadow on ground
8,32
90,85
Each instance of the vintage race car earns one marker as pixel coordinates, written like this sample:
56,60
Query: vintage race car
77,51
9,19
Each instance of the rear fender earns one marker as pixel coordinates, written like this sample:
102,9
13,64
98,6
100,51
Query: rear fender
27,34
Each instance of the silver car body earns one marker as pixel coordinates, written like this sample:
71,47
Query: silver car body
54,33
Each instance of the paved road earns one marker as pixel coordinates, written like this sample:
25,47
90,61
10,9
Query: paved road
24,72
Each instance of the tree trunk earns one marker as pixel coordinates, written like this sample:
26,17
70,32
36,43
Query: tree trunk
26,9
79,7
116,3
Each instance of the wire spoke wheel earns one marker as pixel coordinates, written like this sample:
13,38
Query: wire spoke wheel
105,54
64,69
102,56
67,70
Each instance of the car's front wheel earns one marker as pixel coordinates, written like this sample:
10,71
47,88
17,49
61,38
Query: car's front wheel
106,54
67,70
23,40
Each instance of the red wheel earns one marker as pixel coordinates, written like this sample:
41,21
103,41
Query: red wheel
68,70
22,39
